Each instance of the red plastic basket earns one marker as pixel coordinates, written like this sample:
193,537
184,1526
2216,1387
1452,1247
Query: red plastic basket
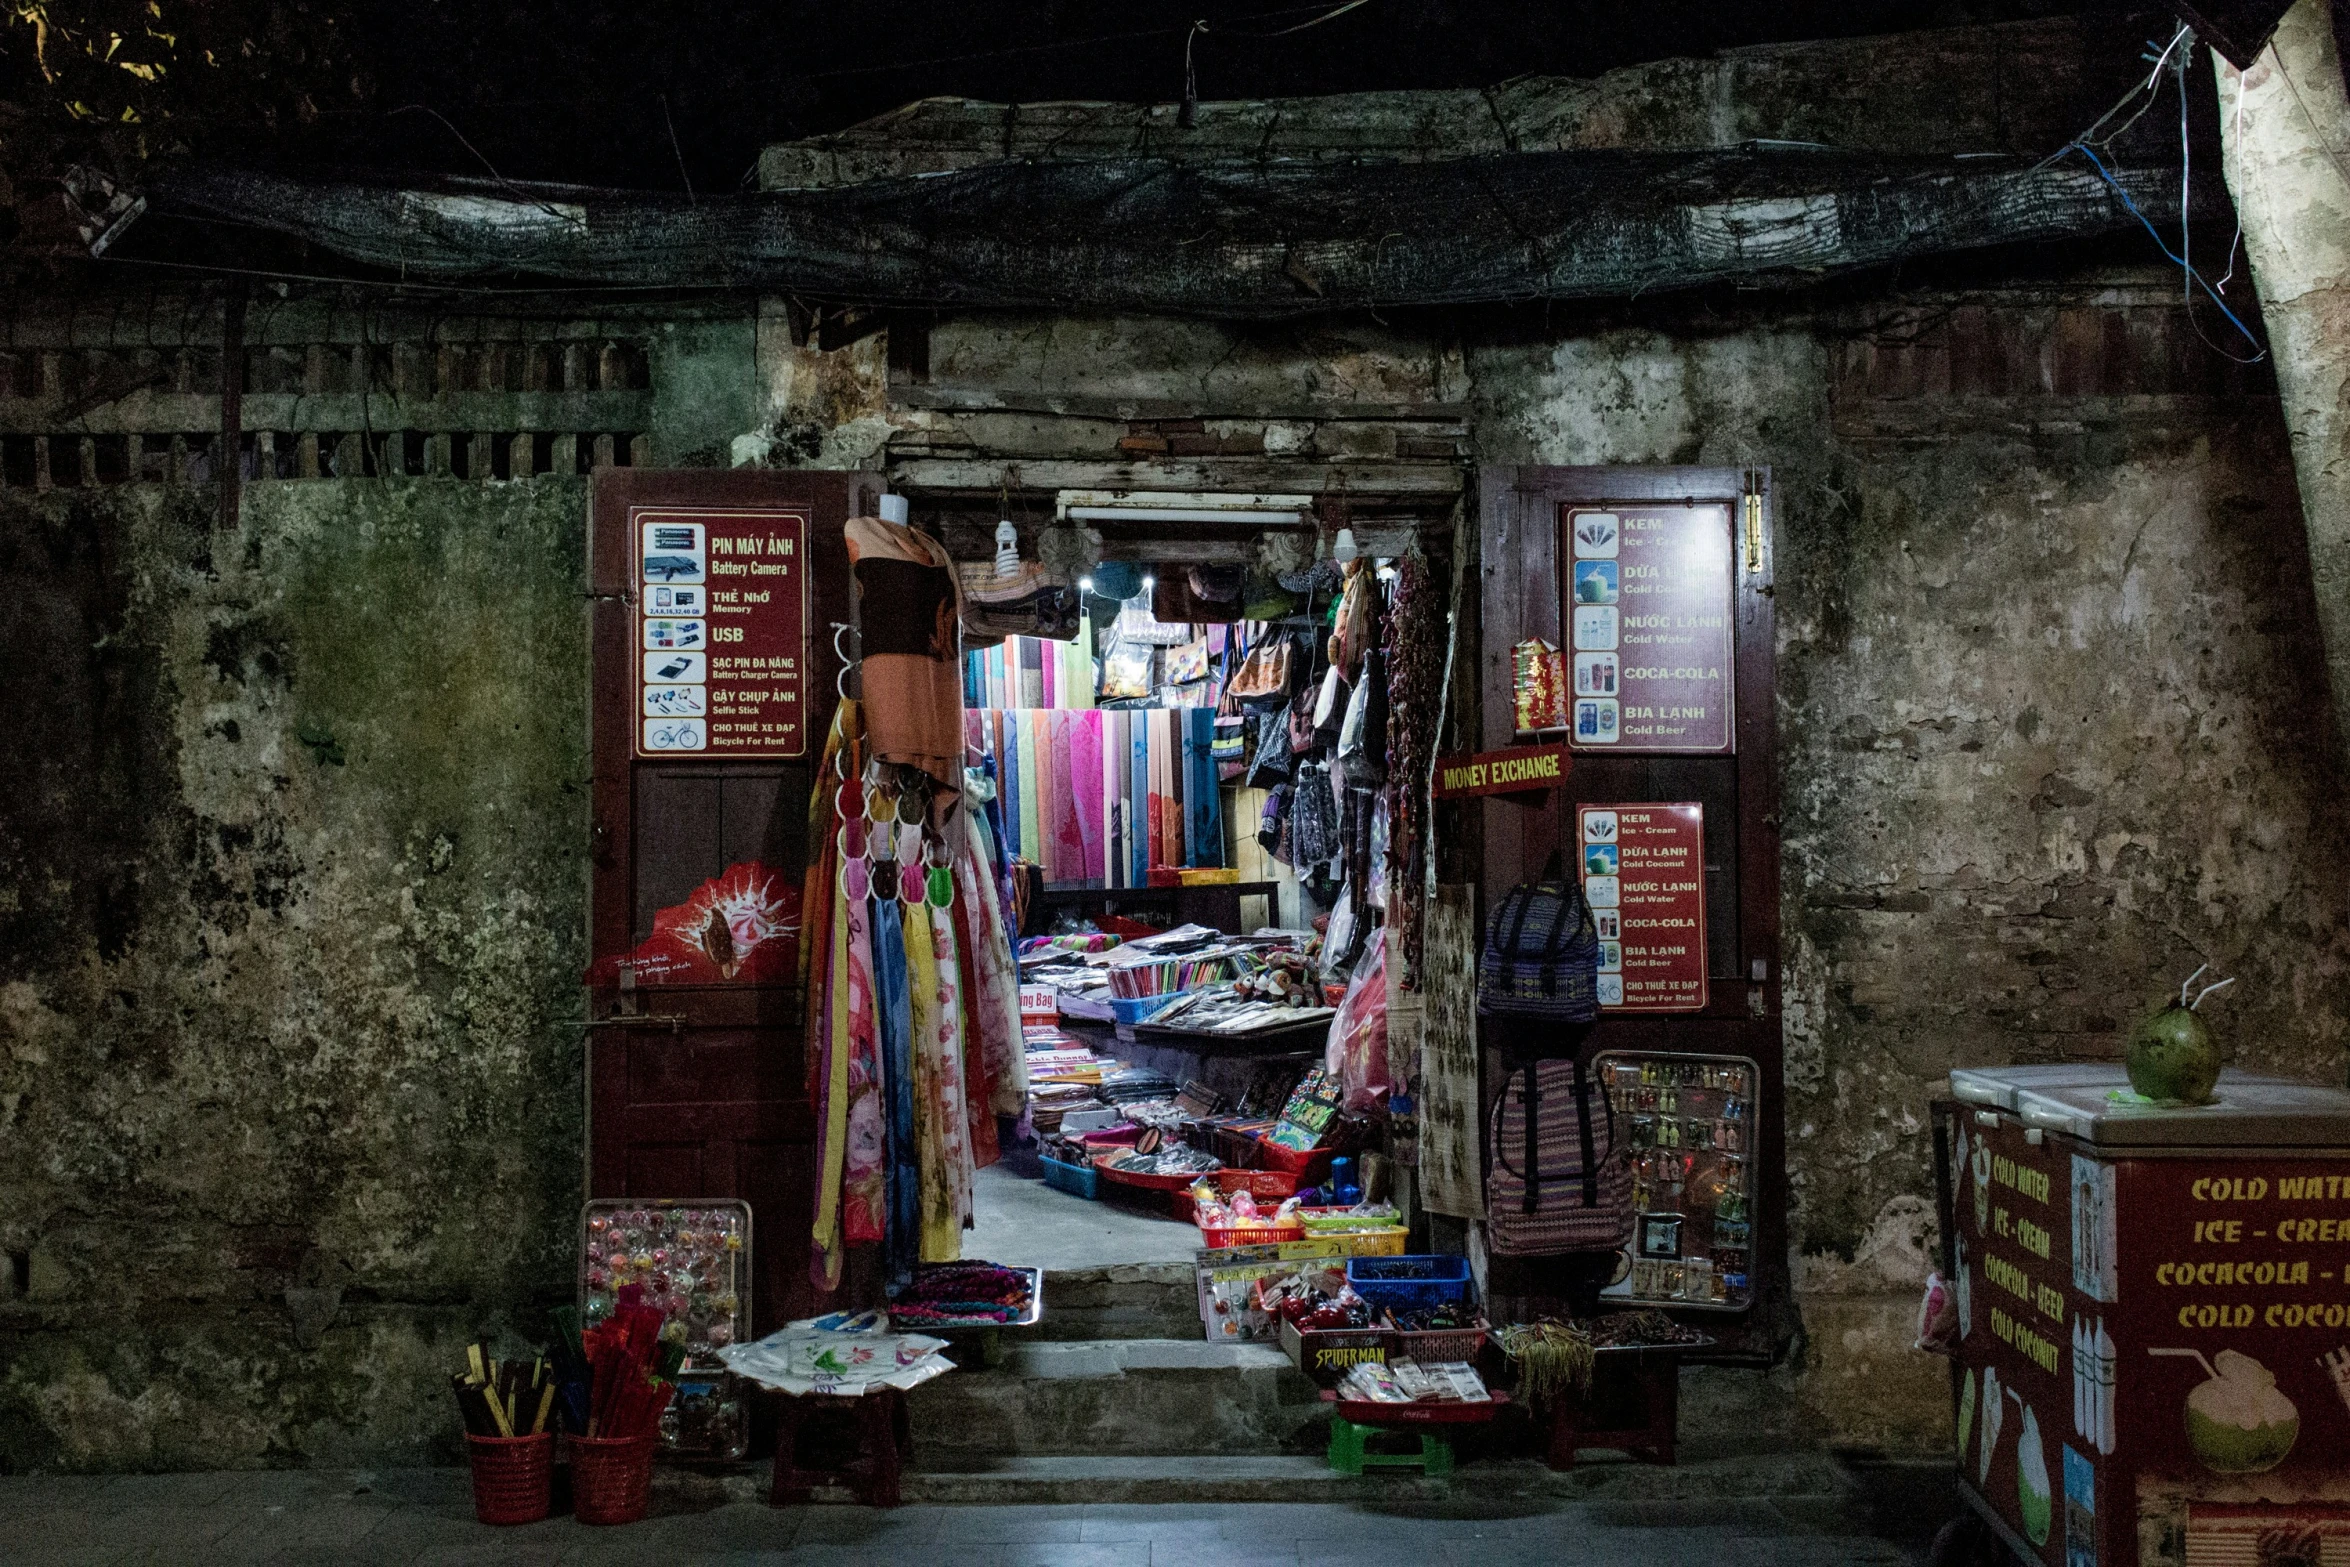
611,1477
511,1476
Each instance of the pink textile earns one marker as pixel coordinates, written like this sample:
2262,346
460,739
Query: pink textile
1085,765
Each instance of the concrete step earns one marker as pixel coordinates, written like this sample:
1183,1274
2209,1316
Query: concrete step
1120,1397
1809,1481
1133,1300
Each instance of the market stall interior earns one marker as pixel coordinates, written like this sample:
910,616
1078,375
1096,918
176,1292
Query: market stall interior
1192,743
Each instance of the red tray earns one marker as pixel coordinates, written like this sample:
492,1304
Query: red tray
1153,1183
1370,1412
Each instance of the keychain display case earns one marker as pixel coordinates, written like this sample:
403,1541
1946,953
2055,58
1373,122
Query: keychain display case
1690,1122
693,1260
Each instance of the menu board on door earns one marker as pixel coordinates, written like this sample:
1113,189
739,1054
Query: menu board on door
1650,627
1643,874
722,618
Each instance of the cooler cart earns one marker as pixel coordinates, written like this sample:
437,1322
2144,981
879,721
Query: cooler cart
2152,1366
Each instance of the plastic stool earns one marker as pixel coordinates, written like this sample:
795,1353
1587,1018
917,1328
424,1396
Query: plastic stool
880,1441
1350,1452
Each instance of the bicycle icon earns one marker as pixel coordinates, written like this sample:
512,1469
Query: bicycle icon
684,734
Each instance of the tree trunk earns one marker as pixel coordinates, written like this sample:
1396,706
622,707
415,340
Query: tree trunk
2285,124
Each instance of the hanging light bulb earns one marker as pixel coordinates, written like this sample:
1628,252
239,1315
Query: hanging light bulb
1085,584
1007,549
1344,550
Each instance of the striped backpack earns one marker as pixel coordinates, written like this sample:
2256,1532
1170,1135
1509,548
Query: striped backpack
1553,1182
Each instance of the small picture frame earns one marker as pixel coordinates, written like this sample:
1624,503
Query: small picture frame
1660,1235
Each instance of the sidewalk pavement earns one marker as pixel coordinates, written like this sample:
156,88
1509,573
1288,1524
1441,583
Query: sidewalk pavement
424,1518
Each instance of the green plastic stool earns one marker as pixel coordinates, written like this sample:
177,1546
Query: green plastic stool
1350,1453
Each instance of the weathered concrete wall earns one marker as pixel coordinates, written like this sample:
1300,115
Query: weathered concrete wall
291,885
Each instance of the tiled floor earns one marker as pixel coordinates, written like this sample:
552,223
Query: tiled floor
425,1517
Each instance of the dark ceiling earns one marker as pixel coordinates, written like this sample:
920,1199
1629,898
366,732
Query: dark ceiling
653,95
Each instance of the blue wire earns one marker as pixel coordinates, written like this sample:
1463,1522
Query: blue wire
2178,260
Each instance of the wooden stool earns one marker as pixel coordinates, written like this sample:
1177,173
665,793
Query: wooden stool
1648,1379
882,1437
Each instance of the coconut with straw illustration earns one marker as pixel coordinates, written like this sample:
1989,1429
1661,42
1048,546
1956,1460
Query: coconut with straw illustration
2172,1056
2237,1422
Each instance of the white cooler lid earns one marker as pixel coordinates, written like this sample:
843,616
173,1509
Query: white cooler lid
2250,1112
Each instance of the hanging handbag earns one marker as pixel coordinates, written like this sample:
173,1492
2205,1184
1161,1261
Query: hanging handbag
1301,721
1554,1182
1264,674
1541,957
1313,815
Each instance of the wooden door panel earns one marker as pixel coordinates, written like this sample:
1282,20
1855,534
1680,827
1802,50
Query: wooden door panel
699,1091
713,1067
1521,597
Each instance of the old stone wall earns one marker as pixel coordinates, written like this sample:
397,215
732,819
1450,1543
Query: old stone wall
293,856
295,872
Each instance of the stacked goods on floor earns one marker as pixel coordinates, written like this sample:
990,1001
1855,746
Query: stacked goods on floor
606,1388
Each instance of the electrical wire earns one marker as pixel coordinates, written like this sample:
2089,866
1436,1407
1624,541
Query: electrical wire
2131,207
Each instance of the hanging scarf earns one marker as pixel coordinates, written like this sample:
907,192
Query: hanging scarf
942,1132
864,1194
901,1235
992,977
824,982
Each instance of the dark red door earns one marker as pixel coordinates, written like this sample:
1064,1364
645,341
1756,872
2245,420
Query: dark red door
1530,591
714,684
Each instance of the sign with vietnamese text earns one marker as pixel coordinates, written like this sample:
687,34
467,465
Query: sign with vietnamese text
1643,869
722,618
1651,630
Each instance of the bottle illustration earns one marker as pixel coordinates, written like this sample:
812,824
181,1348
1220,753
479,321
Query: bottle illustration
2105,1364
1966,1294
1981,1169
1990,1413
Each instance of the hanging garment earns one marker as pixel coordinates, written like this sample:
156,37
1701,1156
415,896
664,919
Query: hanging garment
864,1174
902,1169
824,977
908,607
941,1123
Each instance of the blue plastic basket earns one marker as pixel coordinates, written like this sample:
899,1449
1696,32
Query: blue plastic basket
1390,1281
1078,1180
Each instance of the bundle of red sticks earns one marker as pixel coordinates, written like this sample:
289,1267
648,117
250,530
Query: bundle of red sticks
632,1368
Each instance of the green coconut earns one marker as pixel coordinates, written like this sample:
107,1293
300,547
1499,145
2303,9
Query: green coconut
2171,1054
2238,1423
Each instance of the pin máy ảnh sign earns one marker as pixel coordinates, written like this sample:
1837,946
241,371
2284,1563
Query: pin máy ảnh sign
722,617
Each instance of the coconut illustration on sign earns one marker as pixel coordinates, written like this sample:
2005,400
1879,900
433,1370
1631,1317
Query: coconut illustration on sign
2035,1504
2237,1421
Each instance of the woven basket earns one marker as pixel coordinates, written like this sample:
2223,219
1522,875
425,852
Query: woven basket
1436,1345
611,1477
511,1476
